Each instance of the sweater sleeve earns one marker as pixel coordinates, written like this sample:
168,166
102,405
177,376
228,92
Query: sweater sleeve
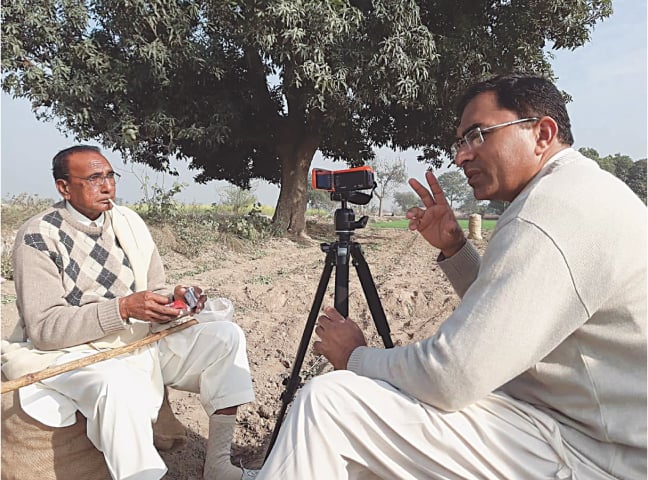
156,278
462,268
51,323
520,307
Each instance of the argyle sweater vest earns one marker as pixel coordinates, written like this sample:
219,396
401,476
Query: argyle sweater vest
90,261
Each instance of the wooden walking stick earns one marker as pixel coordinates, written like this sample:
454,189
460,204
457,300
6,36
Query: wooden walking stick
34,377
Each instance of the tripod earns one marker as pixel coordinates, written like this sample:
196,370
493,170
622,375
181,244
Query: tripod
337,254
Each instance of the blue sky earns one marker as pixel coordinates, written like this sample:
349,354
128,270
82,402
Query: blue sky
607,79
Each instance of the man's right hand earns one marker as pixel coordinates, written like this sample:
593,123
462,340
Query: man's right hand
147,306
436,222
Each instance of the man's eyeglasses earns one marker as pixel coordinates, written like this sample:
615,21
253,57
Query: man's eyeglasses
97,179
475,136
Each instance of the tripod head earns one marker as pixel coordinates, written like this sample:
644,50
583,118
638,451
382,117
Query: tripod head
345,222
356,197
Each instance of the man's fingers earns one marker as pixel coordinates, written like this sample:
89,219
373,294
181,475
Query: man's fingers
414,213
422,192
323,322
333,314
437,191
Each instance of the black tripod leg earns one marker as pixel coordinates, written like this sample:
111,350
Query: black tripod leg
371,294
293,381
342,278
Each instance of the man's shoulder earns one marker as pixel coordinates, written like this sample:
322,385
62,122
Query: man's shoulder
574,183
575,194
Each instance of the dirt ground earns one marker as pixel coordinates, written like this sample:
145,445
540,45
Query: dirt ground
272,286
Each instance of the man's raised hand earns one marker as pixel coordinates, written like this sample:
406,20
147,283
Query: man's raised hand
436,222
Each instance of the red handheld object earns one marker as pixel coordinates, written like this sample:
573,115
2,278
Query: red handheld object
179,304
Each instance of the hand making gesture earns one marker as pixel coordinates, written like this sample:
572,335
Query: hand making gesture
436,222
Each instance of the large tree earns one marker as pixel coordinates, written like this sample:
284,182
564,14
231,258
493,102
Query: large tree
245,89
388,174
406,200
454,185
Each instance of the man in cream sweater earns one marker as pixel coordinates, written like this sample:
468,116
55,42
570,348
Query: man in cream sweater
89,277
541,370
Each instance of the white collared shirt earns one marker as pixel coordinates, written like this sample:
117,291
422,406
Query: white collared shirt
79,217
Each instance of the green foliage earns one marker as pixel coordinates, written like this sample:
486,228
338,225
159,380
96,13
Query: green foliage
637,178
253,226
623,167
590,153
238,199
496,207
454,185
402,223
16,210
158,204
244,89
319,199
19,208
406,200
471,205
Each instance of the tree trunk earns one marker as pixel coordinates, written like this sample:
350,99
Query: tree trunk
296,158
380,200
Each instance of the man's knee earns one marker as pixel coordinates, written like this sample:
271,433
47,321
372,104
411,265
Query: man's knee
112,379
227,334
328,390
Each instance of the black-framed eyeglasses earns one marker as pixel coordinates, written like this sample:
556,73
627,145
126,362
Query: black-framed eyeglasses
475,136
98,179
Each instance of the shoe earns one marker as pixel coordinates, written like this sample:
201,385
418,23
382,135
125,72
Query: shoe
249,474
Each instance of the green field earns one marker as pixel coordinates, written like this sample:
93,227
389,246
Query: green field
402,223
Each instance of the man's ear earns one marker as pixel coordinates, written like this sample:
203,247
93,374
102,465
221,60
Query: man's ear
63,188
546,134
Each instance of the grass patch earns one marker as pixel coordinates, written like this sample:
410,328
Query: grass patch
402,223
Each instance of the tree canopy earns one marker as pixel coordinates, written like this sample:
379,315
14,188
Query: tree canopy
454,185
623,167
248,89
406,200
637,179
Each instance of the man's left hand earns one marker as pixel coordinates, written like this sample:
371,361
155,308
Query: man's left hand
179,292
339,338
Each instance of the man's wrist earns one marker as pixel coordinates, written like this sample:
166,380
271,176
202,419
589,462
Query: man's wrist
353,362
123,311
449,252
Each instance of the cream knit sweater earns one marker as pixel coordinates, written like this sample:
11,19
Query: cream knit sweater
554,314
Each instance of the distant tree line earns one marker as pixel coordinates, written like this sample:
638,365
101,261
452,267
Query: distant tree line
633,173
460,196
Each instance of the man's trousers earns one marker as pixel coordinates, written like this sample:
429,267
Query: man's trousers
345,426
121,397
